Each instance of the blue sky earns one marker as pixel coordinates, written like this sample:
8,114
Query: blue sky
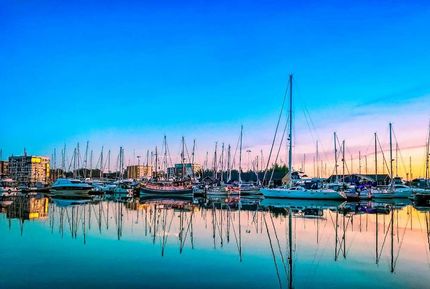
125,74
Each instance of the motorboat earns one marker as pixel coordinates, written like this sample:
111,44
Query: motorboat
8,188
123,188
70,187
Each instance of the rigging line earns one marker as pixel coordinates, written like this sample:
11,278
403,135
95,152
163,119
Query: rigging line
279,150
385,238
400,152
188,227
383,155
276,130
334,226
186,150
279,245
309,126
168,154
273,252
170,225
314,133
370,146
401,241
218,227
235,151
319,253
234,230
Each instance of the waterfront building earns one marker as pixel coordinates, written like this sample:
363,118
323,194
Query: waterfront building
29,169
4,169
139,171
188,169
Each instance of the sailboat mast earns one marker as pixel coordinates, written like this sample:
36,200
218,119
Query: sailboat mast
335,156
391,154
91,164
109,161
317,161
343,161
222,162
290,249
215,160
183,158
101,164
397,159
229,163
376,159
165,156
427,158
290,133
240,155
86,159
156,162
193,155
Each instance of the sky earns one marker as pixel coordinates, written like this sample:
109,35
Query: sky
125,74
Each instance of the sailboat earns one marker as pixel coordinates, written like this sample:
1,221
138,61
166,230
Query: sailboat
393,190
241,187
181,187
297,192
422,195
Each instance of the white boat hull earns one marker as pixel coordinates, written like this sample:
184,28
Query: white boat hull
397,194
303,194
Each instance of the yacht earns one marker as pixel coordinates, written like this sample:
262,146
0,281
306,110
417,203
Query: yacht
393,192
243,189
167,188
70,187
297,192
124,188
292,190
8,188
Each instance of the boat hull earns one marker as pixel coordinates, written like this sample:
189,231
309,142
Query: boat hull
393,195
70,192
310,195
163,192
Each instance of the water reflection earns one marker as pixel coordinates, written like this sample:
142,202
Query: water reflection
295,237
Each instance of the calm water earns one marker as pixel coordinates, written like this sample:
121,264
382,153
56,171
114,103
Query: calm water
212,244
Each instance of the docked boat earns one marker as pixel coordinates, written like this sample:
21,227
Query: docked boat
8,188
302,193
393,192
167,188
123,188
243,189
70,188
291,190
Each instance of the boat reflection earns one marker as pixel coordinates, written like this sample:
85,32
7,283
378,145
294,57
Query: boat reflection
282,227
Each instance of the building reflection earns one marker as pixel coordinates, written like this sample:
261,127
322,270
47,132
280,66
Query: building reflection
26,208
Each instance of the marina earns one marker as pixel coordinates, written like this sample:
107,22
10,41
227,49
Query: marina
215,144
257,243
